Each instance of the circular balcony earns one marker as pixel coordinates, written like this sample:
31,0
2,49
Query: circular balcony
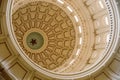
64,39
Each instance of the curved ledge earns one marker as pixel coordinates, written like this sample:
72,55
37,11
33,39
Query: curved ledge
111,48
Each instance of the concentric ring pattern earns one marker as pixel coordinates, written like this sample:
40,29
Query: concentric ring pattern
53,24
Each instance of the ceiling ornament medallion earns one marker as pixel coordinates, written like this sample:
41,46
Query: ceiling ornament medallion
35,40
45,33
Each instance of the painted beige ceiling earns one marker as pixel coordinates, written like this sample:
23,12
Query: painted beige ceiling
53,24
78,51
14,63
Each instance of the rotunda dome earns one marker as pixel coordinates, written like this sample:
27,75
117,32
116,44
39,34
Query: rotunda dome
60,39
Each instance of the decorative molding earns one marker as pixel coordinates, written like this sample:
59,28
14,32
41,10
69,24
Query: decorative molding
52,22
95,67
102,76
6,46
114,66
18,67
36,78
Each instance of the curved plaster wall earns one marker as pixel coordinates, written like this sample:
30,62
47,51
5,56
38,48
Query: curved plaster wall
11,60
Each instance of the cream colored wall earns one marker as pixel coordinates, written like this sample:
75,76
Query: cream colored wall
96,26
18,69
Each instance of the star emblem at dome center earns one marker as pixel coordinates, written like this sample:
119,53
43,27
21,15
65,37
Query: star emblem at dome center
33,42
